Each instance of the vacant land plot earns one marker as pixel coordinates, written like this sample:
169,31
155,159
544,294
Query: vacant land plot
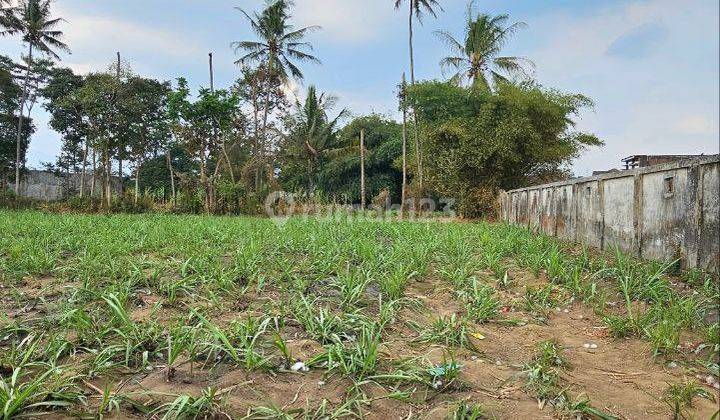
184,317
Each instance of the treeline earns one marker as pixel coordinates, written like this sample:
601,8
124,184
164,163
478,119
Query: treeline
223,150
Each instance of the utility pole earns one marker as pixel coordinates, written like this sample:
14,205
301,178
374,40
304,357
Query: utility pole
120,155
212,76
362,168
403,195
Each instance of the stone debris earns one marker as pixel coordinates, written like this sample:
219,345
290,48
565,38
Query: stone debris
299,367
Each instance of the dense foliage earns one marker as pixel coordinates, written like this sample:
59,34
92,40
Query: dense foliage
223,150
10,93
478,142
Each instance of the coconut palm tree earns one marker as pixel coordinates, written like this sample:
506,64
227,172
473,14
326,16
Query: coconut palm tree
8,20
313,132
417,8
278,48
39,31
478,58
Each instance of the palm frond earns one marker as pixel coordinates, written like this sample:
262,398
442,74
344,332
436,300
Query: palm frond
453,44
514,65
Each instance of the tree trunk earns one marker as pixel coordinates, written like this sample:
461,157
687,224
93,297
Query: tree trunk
256,146
172,176
120,173
310,176
108,179
362,168
93,184
204,179
403,194
418,152
23,98
268,89
229,165
137,180
84,170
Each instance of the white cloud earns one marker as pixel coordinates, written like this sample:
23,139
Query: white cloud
663,102
92,35
346,21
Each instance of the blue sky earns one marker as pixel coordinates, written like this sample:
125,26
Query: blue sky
650,65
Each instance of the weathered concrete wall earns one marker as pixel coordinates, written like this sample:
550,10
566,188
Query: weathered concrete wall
49,186
660,212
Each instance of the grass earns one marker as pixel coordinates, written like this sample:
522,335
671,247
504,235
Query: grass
103,299
448,330
680,397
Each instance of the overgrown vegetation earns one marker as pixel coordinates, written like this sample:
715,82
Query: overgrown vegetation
136,144
163,303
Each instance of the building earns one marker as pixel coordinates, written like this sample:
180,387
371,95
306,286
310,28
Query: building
642,161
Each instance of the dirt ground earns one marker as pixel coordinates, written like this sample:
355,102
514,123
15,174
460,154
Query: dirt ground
618,376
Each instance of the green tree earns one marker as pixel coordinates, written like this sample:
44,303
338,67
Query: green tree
338,177
206,128
8,18
477,56
251,88
479,141
278,48
98,100
313,134
39,31
144,108
10,93
67,118
417,8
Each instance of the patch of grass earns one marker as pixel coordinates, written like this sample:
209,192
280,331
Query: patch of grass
209,405
542,373
481,303
466,410
359,359
448,330
539,300
680,397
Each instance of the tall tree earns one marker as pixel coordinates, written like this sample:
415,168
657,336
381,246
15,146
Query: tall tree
8,18
477,57
479,141
313,133
67,118
10,92
205,127
39,31
98,98
250,87
417,8
144,108
278,48
338,175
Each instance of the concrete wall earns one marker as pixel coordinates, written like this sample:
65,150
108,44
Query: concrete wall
660,212
49,186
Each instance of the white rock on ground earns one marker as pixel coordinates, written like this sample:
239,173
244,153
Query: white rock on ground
299,367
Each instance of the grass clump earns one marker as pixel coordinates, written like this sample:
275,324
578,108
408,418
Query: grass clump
448,330
680,397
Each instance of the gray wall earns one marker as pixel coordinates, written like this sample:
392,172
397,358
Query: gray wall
49,186
660,212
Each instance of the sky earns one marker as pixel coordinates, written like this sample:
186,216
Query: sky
651,66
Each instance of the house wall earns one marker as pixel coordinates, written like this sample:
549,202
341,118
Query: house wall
660,212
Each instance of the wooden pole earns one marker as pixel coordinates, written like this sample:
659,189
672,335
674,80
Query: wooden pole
403,195
362,168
